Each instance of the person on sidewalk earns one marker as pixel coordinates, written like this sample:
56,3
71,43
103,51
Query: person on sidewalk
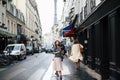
58,59
76,53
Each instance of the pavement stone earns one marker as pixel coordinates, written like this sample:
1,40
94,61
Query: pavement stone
70,73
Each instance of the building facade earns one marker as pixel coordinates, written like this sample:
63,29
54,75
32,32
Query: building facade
10,18
19,23
15,22
100,30
3,38
97,28
2,12
32,19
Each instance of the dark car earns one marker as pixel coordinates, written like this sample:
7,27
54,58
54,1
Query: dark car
36,50
29,50
49,50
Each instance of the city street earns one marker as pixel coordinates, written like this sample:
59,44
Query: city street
44,27
33,68
39,67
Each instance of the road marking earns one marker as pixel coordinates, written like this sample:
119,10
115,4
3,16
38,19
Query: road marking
66,70
15,73
49,73
37,75
2,69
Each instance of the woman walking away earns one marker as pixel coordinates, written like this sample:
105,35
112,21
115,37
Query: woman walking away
76,53
58,59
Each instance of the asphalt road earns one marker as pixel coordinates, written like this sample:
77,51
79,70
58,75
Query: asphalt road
33,68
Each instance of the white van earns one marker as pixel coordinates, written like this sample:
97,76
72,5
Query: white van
16,50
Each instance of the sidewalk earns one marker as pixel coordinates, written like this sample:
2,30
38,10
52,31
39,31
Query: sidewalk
70,73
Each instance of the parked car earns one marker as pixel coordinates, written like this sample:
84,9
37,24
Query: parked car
16,51
49,50
43,49
36,50
29,50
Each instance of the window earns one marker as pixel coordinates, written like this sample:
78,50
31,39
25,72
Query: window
92,4
85,11
19,29
17,13
8,25
81,15
12,29
3,17
11,9
12,48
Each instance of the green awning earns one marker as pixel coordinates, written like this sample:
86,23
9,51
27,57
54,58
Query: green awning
6,33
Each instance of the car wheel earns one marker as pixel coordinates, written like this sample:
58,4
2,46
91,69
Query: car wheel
32,53
25,56
19,57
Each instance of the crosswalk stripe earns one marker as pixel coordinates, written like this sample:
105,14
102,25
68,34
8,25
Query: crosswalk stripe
2,69
49,73
36,75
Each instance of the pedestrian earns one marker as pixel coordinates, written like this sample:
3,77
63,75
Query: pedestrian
58,59
76,53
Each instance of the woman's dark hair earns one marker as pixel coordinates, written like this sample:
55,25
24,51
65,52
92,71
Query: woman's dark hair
58,43
76,41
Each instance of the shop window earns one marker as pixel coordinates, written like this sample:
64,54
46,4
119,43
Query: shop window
112,25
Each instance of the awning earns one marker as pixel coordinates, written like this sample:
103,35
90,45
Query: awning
71,33
67,29
6,33
70,27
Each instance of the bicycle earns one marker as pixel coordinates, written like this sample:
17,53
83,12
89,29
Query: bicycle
5,60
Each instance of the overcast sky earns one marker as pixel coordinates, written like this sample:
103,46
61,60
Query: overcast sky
46,11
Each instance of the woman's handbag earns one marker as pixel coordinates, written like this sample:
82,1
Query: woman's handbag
81,48
63,52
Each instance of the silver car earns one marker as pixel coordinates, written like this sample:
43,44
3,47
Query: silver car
16,50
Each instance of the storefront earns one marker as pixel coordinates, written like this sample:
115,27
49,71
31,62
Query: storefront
100,37
5,38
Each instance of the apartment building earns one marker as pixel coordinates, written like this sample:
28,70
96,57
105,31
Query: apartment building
11,23
15,21
32,18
